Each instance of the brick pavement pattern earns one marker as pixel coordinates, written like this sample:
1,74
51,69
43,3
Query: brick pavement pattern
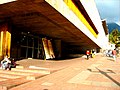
99,73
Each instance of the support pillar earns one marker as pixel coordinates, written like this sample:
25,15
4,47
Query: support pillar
57,48
5,41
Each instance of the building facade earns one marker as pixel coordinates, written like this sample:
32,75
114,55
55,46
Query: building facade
48,29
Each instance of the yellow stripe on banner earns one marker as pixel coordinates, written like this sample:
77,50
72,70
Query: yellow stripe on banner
71,5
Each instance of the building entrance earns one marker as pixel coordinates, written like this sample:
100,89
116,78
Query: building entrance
26,45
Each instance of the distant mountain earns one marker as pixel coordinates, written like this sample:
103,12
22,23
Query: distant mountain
112,26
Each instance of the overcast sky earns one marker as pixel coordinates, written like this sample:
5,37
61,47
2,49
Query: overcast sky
109,10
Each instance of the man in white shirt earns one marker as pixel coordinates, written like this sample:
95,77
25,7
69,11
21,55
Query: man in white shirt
5,62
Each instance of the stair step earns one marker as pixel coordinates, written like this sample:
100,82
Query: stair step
5,85
9,76
34,77
15,72
2,79
31,70
19,66
29,76
36,67
18,76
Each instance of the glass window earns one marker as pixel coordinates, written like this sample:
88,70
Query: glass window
23,52
36,53
30,41
29,53
23,40
36,42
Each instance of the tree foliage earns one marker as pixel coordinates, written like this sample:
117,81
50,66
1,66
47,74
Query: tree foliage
114,37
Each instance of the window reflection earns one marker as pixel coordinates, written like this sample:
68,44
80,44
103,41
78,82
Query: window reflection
30,41
36,42
24,40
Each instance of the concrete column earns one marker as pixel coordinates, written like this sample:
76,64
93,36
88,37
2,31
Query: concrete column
57,49
5,40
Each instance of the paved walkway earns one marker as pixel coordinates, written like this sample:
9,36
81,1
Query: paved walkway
99,73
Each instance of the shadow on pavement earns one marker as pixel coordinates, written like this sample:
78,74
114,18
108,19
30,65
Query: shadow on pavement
105,74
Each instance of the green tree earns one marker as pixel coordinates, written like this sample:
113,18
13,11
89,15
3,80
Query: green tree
113,37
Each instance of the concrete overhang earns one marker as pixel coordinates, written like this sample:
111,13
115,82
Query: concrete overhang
39,17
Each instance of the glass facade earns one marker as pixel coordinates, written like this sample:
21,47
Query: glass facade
26,45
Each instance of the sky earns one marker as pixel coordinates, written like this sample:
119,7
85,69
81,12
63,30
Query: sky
109,10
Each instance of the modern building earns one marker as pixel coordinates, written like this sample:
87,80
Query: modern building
48,29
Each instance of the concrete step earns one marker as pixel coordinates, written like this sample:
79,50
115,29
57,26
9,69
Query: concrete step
35,76
40,71
19,66
9,79
27,75
15,72
7,84
2,79
20,75
41,68
2,75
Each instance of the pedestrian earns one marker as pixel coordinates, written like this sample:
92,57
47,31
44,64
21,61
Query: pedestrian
91,54
87,53
114,54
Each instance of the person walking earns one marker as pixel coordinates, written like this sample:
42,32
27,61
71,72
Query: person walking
87,53
114,54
